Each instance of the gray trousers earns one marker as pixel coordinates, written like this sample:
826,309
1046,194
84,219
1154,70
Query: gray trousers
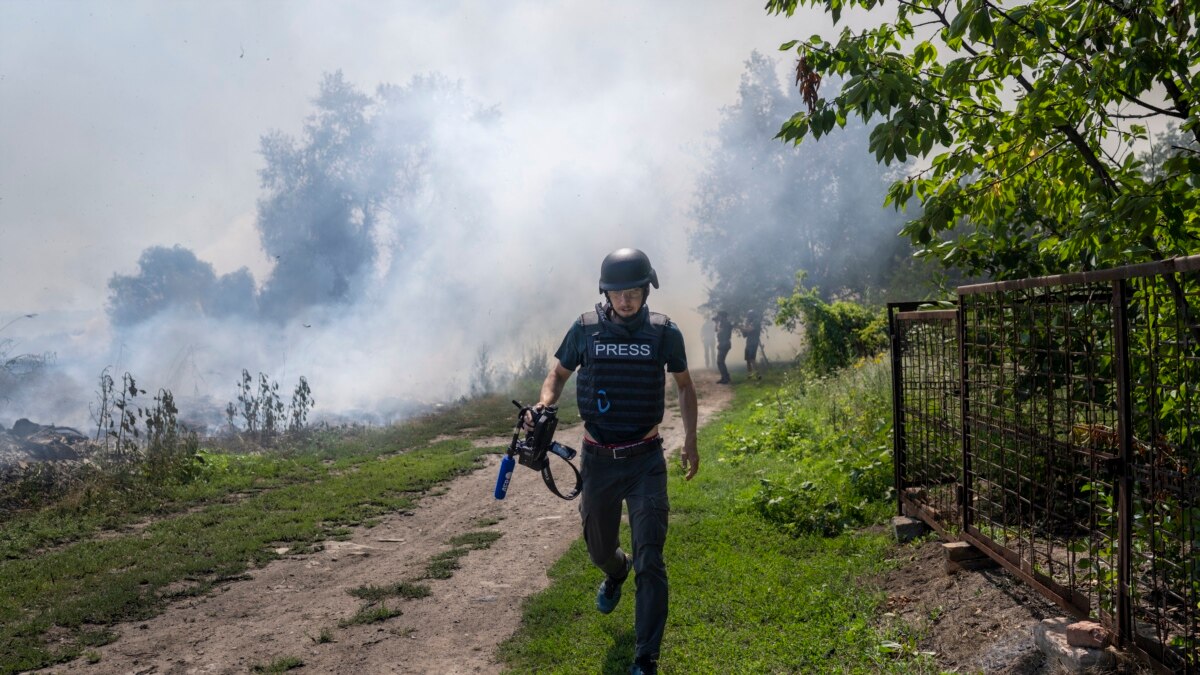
641,482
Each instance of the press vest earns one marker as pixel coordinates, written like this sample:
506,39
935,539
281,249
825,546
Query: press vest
621,379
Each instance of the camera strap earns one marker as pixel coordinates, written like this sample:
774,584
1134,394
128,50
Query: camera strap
549,479
534,452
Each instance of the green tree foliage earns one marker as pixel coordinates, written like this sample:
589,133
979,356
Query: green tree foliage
838,333
1031,122
765,210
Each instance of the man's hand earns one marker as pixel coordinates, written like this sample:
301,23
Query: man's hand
531,416
690,460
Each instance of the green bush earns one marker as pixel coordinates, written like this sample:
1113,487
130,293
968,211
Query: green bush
838,333
831,437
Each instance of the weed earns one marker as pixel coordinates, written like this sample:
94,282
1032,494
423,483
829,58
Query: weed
279,665
442,565
370,614
324,637
403,589
487,522
476,541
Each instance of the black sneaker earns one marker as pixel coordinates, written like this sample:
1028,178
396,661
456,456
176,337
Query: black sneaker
609,593
644,666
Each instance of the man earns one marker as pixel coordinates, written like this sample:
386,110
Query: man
620,350
724,331
752,331
708,339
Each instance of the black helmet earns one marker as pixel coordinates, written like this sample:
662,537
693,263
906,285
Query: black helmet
626,268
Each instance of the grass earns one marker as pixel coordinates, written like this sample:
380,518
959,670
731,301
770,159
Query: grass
108,501
81,587
402,589
442,565
370,614
279,665
746,596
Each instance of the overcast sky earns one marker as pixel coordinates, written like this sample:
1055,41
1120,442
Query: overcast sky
130,124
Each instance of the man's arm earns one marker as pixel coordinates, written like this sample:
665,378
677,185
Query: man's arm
552,388
689,457
553,385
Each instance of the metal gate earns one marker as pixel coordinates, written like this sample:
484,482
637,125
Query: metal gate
1054,424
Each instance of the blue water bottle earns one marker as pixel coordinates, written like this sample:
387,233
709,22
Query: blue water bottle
506,469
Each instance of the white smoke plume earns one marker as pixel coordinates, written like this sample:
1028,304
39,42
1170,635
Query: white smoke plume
130,133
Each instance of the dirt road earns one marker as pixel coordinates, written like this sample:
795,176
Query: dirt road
281,610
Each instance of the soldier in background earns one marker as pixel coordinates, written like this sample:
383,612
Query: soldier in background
752,331
708,338
724,331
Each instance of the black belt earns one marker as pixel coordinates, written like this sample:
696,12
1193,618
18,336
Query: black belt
623,450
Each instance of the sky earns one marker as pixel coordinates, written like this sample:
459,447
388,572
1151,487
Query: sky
125,125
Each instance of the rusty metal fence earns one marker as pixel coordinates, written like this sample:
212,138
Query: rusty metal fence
1053,423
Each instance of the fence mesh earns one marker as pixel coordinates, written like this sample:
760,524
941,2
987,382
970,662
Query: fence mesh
931,408
1056,420
1041,414
1164,369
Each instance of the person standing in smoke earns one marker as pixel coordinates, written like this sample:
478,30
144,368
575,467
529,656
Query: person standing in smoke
752,331
708,338
724,331
621,349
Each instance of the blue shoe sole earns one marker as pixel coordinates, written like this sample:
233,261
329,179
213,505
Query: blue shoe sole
606,605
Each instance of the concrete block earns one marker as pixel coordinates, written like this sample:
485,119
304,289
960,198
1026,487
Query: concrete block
1088,634
1051,637
907,529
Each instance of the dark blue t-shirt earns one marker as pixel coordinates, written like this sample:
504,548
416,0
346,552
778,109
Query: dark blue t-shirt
671,354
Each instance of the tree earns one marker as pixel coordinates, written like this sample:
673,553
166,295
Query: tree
337,208
765,210
175,277
1031,122
339,199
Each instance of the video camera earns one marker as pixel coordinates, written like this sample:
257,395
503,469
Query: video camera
534,449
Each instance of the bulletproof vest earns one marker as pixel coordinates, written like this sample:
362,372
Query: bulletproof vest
621,380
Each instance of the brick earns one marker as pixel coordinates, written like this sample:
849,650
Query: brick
1088,634
907,529
961,550
1051,637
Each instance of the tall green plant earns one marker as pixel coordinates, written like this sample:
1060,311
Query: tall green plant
837,333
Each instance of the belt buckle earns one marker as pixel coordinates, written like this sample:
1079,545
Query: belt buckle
616,453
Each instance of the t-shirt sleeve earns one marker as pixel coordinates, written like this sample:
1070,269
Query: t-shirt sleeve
673,349
569,353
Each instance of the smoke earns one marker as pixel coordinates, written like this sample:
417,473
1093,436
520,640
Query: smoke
402,265
766,209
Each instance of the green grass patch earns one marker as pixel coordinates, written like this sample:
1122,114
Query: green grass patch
121,578
402,589
279,665
370,614
111,500
476,541
442,565
747,596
